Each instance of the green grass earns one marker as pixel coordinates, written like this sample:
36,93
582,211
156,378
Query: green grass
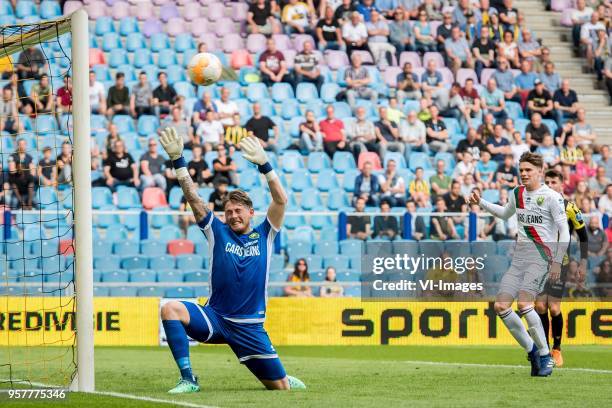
354,377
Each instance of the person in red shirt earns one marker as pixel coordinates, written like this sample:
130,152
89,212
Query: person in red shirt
273,66
64,96
334,138
471,98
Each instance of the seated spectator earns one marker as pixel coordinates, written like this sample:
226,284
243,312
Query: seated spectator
210,132
485,226
362,135
606,160
472,144
42,96
425,40
437,134
570,154
219,195
550,79
111,138
260,18
440,182
418,187
464,166
400,33
586,167
64,97
235,133
224,166
498,145
367,186
22,175
9,114
141,100
392,186
525,81
334,138
378,32
487,128
413,134
505,81
468,185
442,227
509,129
598,184
471,99
306,67
451,105
540,101
408,86
387,134
261,126
548,150
366,9
582,192
311,138
601,51
118,99
357,79
507,175
580,15
535,132
431,81
24,104
492,101
605,201
64,163
201,106
47,169
385,225
588,36
331,287
120,169
298,18
164,96
198,168
508,15
417,228
152,167
583,131
31,63
518,146
97,95
182,127
443,32
344,11
458,53
355,34
485,171
607,76
273,66
394,111
329,32
529,49
483,50
509,49
358,225
299,274
597,239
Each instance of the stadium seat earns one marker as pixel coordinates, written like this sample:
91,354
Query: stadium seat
126,248
196,276
135,262
180,292
491,195
154,197
418,159
175,73
329,91
281,91
176,194
342,110
326,248
249,178
293,221
152,247
142,275
311,199
162,262
336,261
27,8
181,246
371,157
185,89
327,180
170,275
343,161
116,233
159,41
300,180
350,246
110,41
128,25
318,161
142,57
115,276
147,125
337,199
183,42
123,291
298,249
170,232
166,58
151,291
306,92
397,157
128,198
291,161
189,261
117,57
257,91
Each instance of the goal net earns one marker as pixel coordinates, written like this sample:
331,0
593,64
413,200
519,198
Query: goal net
46,326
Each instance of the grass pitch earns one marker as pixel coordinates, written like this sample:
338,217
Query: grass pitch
358,376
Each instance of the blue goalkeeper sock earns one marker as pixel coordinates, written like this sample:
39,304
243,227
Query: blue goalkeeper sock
179,345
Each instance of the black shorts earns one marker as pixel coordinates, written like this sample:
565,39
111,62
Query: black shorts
556,289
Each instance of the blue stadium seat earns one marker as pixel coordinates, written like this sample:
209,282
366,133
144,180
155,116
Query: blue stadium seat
142,275
300,180
343,161
448,158
123,291
514,110
106,220
110,41
166,58
306,92
135,41
183,42
249,178
298,249
397,157
342,110
162,262
277,262
292,161
260,199
170,232
124,123
151,291
46,197
327,180
142,57
117,57
326,248
49,9
314,262
25,8
294,126
491,195
128,25
107,262
147,125
159,41
175,73
46,247
169,275
282,91
337,199
176,194
152,247
418,159
311,199
195,235
290,109
135,262
350,246
189,261
337,261
319,221
99,291
116,233
293,221
115,276
101,196
199,275
348,183
101,248
128,198
257,91
184,88
318,161
180,292
126,249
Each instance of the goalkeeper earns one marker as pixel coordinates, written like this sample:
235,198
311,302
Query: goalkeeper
240,262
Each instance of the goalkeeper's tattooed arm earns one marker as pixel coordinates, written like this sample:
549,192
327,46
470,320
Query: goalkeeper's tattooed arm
190,191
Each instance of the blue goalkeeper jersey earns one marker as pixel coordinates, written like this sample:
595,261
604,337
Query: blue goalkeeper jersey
239,267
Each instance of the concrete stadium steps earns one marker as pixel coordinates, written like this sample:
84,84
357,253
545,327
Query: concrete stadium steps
546,26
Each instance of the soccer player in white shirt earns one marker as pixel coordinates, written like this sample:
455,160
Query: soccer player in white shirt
542,240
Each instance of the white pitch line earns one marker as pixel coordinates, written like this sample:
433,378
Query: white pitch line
446,364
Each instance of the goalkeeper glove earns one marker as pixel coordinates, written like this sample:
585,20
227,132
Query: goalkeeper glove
173,145
254,152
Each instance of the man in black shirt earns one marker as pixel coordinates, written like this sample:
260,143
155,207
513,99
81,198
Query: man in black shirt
436,133
484,51
215,202
387,134
260,126
385,225
31,64
224,166
535,132
259,18
22,175
46,169
506,175
472,144
118,100
343,12
565,102
540,101
358,226
198,168
328,32
120,169
454,200
164,95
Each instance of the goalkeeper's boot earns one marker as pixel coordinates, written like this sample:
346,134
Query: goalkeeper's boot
185,386
534,357
558,357
295,384
546,366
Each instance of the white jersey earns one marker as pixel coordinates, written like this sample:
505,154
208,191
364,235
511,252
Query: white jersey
540,215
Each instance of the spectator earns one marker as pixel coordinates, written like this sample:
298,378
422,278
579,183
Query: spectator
509,49
570,154
603,278
540,101
118,99
423,34
362,135
487,129
424,113
529,49
565,103
357,79
260,18
176,121
525,81
413,133
483,50
550,79
120,169
224,166
329,32
198,168
580,15
485,171
298,18
472,144
358,225
443,31
306,67
601,51
418,231
598,242
385,225
400,33
152,167
535,132
492,100
299,275
31,64
582,191
164,96
97,98
464,166
201,106
366,8
9,114
544,59
330,287
366,186
311,138
408,86
599,183
468,185
394,111
22,175
588,36
440,182
586,167
387,134
355,34
504,79
458,53
451,105
507,174
344,11
141,100
418,188
518,146
378,32
392,186
442,227
606,160
47,169
437,134
226,108
64,164
508,16
111,138
605,201
498,145
261,126
548,150
42,96
235,133
64,97
334,138
471,99
607,76
583,131
431,81
273,66
24,104
210,132
219,195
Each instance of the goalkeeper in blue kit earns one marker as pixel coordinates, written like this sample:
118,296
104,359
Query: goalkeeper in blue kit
240,261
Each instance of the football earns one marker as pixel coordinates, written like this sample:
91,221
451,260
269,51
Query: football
204,69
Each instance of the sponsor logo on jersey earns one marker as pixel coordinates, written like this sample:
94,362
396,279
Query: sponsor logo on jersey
540,200
253,235
529,218
237,250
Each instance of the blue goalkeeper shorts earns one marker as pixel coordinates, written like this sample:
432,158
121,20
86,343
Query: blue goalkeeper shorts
250,342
